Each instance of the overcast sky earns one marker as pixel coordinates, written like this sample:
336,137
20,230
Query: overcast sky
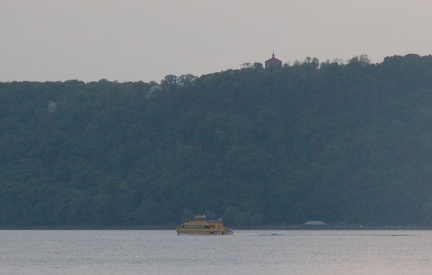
128,40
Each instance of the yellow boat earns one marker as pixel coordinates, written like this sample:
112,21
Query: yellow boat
201,226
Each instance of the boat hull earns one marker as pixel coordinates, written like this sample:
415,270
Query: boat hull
197,233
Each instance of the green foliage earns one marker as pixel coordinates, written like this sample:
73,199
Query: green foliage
331,141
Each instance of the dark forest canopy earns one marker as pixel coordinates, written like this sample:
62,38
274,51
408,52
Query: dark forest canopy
338,142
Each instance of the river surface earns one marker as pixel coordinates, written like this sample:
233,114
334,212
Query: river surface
246,252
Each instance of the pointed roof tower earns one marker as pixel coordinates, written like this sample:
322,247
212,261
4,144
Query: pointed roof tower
273,62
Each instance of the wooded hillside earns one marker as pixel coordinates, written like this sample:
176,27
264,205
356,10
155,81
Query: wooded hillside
338,142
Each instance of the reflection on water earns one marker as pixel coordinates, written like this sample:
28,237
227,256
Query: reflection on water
246,252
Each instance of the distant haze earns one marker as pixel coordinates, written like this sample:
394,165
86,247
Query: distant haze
128,40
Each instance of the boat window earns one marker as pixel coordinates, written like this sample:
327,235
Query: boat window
195,226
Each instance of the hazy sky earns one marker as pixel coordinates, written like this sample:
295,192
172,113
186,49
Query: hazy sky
127,40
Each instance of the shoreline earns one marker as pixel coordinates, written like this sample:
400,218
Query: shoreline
170,227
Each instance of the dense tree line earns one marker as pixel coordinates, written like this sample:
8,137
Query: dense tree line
339,142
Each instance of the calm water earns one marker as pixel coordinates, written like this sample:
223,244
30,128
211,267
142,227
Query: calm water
246,252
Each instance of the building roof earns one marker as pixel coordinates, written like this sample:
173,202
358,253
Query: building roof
273,62
315,223
273,59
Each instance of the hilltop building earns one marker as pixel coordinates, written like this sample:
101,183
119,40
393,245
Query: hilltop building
273,62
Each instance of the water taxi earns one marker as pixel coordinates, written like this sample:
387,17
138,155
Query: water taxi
201,226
